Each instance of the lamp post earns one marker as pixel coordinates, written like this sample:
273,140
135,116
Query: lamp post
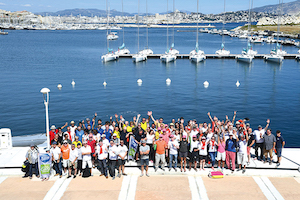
45,92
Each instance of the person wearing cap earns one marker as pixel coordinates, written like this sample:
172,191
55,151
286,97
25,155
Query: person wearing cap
242,153
79,133
73,128
92,143
86,152
69,133
279,146
102,154
194,131
269,145
230,148
85,136
194,152
32,157
53,131
73,160
104,140
113,158
166,135
172,129
144,151
66,138
56,140
259,140
115,139
161,148
212,150
183,152
56,155
202,146
65,151
122,157
173,147
158,133
89,122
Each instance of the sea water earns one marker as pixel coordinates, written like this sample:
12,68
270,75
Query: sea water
31,60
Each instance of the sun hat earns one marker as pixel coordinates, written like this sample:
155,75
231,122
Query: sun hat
203,138
52,127
72,122
171,124
103,135
237,122
114,135
230,134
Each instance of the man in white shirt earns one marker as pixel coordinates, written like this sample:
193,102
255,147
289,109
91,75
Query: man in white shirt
86,156
194,131
259,139
102,153
73,160
173,146
122,150
104,140
194,154
56,155
113,158
72,130
242,154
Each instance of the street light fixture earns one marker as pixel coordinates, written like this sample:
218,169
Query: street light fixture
45,92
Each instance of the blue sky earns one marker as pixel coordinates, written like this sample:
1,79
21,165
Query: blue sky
154,6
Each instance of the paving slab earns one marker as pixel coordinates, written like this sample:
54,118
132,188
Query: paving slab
231,187
94,188
24,188
288,187
163,187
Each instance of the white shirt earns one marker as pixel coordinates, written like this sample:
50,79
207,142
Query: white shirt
104,153
86,149
193,144
150,138
72,131
243,146
203,148
85,138
113,152
172,145
209,135
106,142
204,129
73,155
193,133
122,150
257,134
212,148
177,138
55,152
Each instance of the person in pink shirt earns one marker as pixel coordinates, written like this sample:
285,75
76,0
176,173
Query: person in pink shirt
221,155
166,136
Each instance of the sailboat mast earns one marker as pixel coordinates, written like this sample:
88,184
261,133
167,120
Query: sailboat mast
167,25
249,20
123,22
278,23
107,24
197,21
138,20
173,18
147,22
223,23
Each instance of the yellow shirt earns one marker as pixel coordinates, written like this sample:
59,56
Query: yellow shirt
156,135
118,133
144,125
77,143
129,128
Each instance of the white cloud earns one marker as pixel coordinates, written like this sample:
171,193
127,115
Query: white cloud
2,4
27,5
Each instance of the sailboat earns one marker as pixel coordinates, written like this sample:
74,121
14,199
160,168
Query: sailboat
147,51
222,52
247,54
110,56
197,55
172,50
168,56
139,56
110,35
276,54
122,49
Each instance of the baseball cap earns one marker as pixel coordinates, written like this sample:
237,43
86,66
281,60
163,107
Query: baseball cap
158,128
203,138
143,141
184,136
164,130
171,136
171,124
103,135
114,134
259,126
194,136
161,136
237,122
230,134
54,142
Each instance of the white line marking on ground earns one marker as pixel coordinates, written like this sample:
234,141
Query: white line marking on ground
50,194
272,188
62,189
263,188
132,187
2,179
125,187
201,189
193,188
297,179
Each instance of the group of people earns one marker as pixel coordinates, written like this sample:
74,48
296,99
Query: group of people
91,144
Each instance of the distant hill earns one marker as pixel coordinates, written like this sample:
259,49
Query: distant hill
287,8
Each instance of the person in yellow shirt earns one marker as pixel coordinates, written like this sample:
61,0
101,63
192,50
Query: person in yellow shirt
144,124
157,133
76,141
116,131
129,128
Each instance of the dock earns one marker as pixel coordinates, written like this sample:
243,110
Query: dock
208,56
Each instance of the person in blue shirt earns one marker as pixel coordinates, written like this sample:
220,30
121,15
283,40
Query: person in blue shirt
230,148
79,133
107,131
279,145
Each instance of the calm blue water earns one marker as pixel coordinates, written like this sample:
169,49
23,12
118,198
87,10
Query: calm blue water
31,60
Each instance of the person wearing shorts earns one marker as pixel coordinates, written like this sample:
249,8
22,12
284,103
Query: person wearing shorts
221,155
251,141
242,154
73,160
122,157
183,152
194,154
279,145
202,146
144,152
113,158
65,151
86,156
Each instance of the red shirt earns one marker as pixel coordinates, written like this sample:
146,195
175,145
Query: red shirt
52,134
92,144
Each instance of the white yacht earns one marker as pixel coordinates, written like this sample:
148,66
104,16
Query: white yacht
110,56
222,51
147,52
278,50
168,57
122,50
274,58
112,36
139,57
